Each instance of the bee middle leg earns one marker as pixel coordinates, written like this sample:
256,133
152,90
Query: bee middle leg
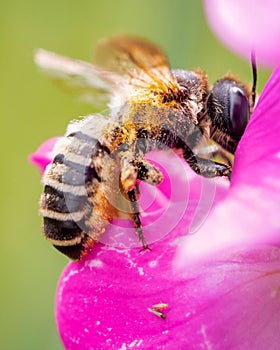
148,173
135,213
133,168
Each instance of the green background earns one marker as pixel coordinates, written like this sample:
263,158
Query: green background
33,110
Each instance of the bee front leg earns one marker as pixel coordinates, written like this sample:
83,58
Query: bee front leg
217,152
224,155
205,167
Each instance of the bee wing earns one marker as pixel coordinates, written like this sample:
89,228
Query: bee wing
143,62
91,83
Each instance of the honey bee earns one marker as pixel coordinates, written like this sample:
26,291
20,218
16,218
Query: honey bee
151,107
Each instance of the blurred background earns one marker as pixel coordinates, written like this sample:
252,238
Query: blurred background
33,110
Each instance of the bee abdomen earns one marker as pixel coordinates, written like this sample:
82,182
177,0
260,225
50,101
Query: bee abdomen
67,172
65,220
68,237
62,202
77,250
53,228
67,204
64,206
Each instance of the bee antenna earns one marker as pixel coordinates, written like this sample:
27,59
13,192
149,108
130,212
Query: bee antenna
255,75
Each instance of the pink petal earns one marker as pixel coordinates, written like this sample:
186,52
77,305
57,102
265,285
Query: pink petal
243,25
249,215
43,156
233,303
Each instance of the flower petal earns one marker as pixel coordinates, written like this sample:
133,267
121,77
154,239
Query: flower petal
244,25
233,303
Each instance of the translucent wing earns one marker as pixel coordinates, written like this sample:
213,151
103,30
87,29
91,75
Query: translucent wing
91,83
143,62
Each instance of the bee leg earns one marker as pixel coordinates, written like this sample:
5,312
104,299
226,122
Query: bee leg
202,166
133,168
217,152
128,171
132,197
205,167
224,155
130,188
148,173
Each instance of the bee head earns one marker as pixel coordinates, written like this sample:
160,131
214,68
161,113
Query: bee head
228,107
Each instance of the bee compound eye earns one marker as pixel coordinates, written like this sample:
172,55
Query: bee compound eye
239,111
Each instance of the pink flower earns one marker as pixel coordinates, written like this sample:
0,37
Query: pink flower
243,25
221,284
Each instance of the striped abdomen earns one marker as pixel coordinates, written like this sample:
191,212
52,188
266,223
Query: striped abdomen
75,204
